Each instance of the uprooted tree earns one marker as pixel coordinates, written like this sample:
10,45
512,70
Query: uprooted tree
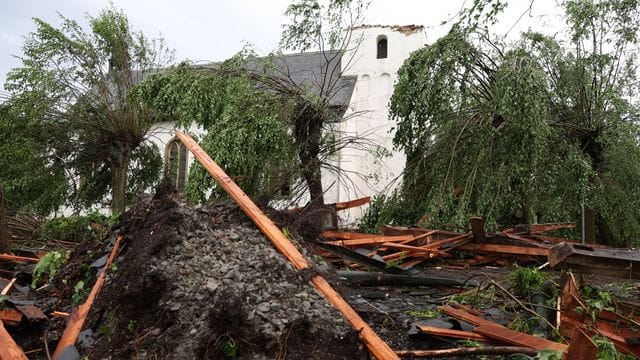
73,87
526,132
264,125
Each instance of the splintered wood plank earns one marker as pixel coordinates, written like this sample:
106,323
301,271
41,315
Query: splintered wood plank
8,257
505,249
9,350
584,258
466,316
9,315
416,249
540,228
456,334
581,346
617,336
352,203
369,241
524,240
7,288
517,338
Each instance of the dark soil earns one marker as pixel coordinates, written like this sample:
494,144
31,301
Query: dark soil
204,283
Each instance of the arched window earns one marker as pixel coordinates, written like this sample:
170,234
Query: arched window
382,47
176,163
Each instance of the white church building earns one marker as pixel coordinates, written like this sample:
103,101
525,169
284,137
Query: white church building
371,63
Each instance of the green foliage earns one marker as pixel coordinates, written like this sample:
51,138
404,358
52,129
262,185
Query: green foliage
522,324
93,226
131,326
230,349
525,281
245,134
595,300
607,350
48,265
531,127
477,297
386,210
549,355
71,92
32,181
79,293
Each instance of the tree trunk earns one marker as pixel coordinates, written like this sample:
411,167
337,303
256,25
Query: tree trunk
313,178
308,137
5,234
589,225
119,182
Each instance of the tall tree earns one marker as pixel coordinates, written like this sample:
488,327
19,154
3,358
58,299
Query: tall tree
325,27
34,180
75,85
532,128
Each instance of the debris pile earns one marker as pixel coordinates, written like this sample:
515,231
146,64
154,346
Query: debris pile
205,283
184,282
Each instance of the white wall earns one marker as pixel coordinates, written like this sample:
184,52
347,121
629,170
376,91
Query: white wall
161,134
365,174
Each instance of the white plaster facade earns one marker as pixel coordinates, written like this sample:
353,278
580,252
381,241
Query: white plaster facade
364,173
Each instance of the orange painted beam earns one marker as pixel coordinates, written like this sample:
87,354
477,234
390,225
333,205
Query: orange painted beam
248,206
376,345
352,203
77,319
9,350
464,315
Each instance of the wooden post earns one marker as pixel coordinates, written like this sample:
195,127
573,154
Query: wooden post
77,319
477,228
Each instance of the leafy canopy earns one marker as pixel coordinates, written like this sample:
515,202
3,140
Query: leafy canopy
524,132
73,86
245,134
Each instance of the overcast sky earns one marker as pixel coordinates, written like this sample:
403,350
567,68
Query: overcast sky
214,30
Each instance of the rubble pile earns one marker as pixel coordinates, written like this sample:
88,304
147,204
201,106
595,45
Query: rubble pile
205,283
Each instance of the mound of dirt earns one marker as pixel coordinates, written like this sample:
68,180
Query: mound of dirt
204,283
